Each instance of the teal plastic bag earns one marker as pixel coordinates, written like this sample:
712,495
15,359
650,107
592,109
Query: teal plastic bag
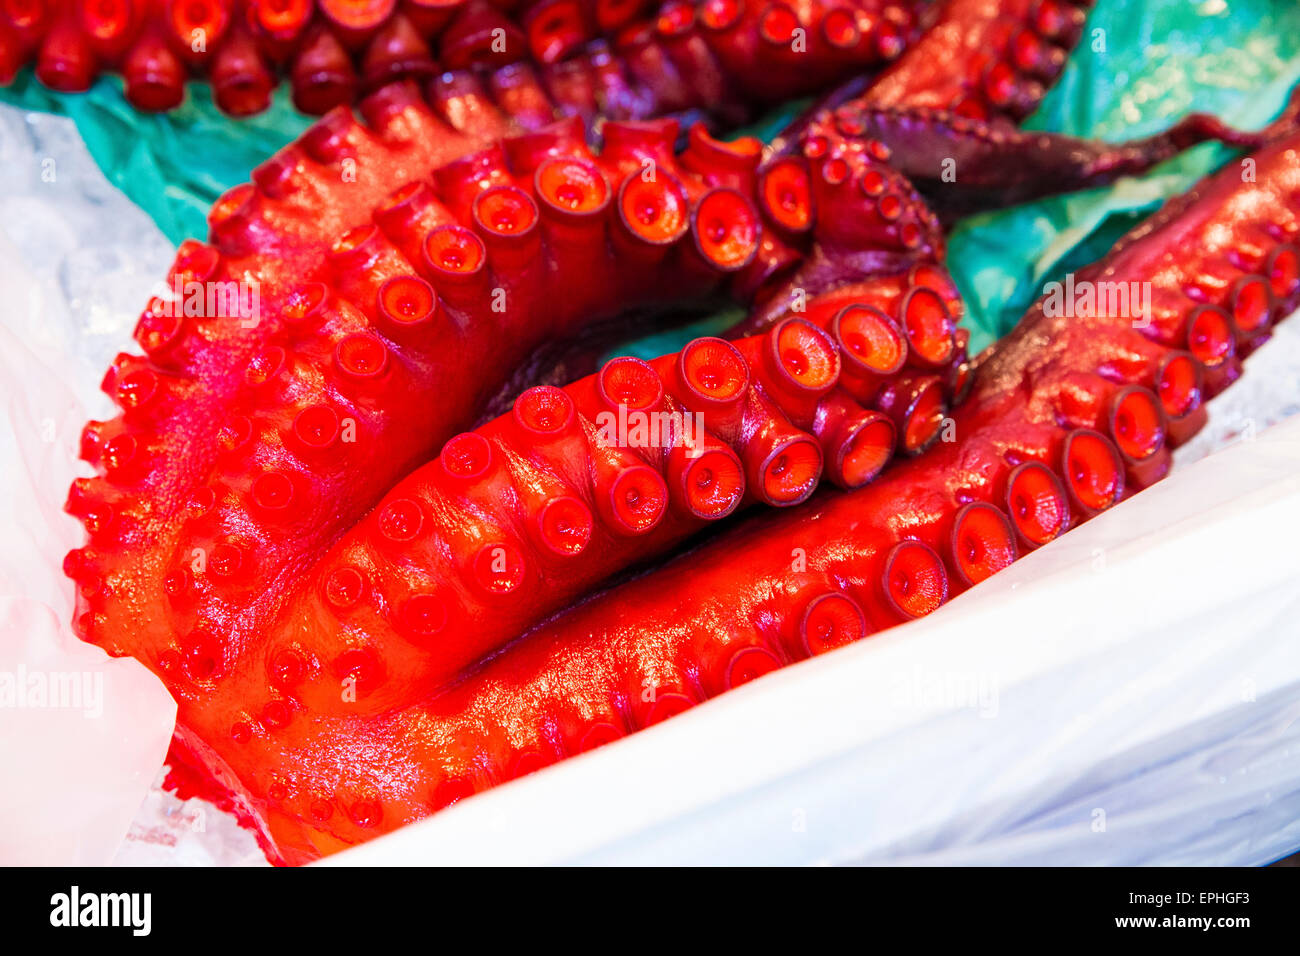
1138,68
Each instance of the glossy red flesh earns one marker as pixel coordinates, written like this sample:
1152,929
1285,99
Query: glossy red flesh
783,586
625,58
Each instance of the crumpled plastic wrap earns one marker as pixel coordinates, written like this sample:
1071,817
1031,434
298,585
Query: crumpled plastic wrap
77,260
153,158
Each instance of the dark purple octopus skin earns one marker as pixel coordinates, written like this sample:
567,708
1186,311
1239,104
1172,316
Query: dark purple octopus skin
955,133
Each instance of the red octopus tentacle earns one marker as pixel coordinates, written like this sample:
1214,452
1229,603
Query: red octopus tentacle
1044,442
278,433
538,226
530,511
269,239
618,58
403,267
984,59
871,227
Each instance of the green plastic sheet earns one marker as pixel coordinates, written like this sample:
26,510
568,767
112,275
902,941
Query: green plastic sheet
1139,67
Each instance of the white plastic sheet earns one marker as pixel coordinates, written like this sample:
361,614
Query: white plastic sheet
82,737
1145,666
